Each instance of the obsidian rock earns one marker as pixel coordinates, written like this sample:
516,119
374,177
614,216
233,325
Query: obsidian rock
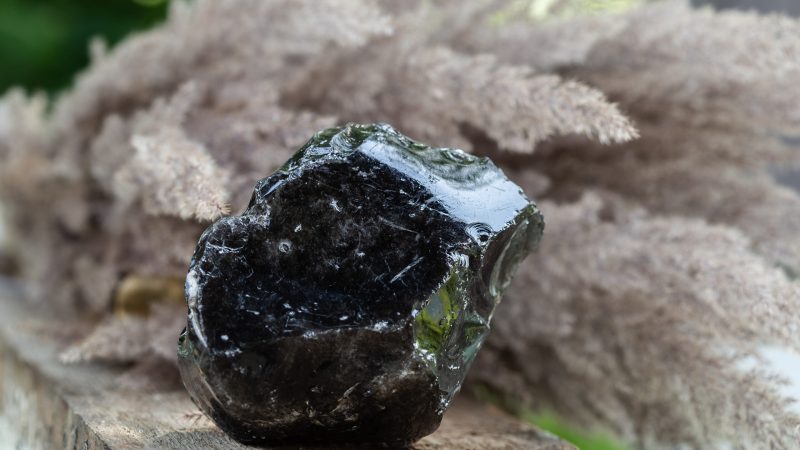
348,301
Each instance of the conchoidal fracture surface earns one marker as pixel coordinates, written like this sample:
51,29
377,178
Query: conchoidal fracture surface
350,298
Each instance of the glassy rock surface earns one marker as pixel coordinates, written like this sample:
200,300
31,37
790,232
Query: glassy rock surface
348,301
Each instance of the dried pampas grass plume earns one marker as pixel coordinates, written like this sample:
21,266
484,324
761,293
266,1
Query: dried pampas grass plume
622,311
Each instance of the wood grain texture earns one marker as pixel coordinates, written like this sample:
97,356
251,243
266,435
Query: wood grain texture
48,405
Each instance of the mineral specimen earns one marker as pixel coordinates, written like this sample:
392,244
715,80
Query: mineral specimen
348,301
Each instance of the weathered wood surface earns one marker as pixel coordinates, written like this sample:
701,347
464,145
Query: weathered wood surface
49,405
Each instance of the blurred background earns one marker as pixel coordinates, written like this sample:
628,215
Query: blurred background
43,43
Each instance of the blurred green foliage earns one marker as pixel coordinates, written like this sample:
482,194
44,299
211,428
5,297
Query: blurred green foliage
584,440
43,43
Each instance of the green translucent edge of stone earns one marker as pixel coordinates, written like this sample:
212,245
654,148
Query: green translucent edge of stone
435,325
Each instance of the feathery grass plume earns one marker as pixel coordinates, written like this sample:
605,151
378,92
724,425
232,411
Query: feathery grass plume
713,122
748,200
446,94
647,307
71,157
219,42
713,125
175,176
706,62
167,171
510,35
644,323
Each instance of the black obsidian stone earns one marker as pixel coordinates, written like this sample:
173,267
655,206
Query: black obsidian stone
348,301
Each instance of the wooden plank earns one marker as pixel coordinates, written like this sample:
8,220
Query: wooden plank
49,405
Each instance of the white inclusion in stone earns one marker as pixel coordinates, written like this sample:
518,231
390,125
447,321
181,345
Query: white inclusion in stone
345,317
360,254
298,227
224,337
232,352
380,326
192,287
335,205
285,246
192,294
